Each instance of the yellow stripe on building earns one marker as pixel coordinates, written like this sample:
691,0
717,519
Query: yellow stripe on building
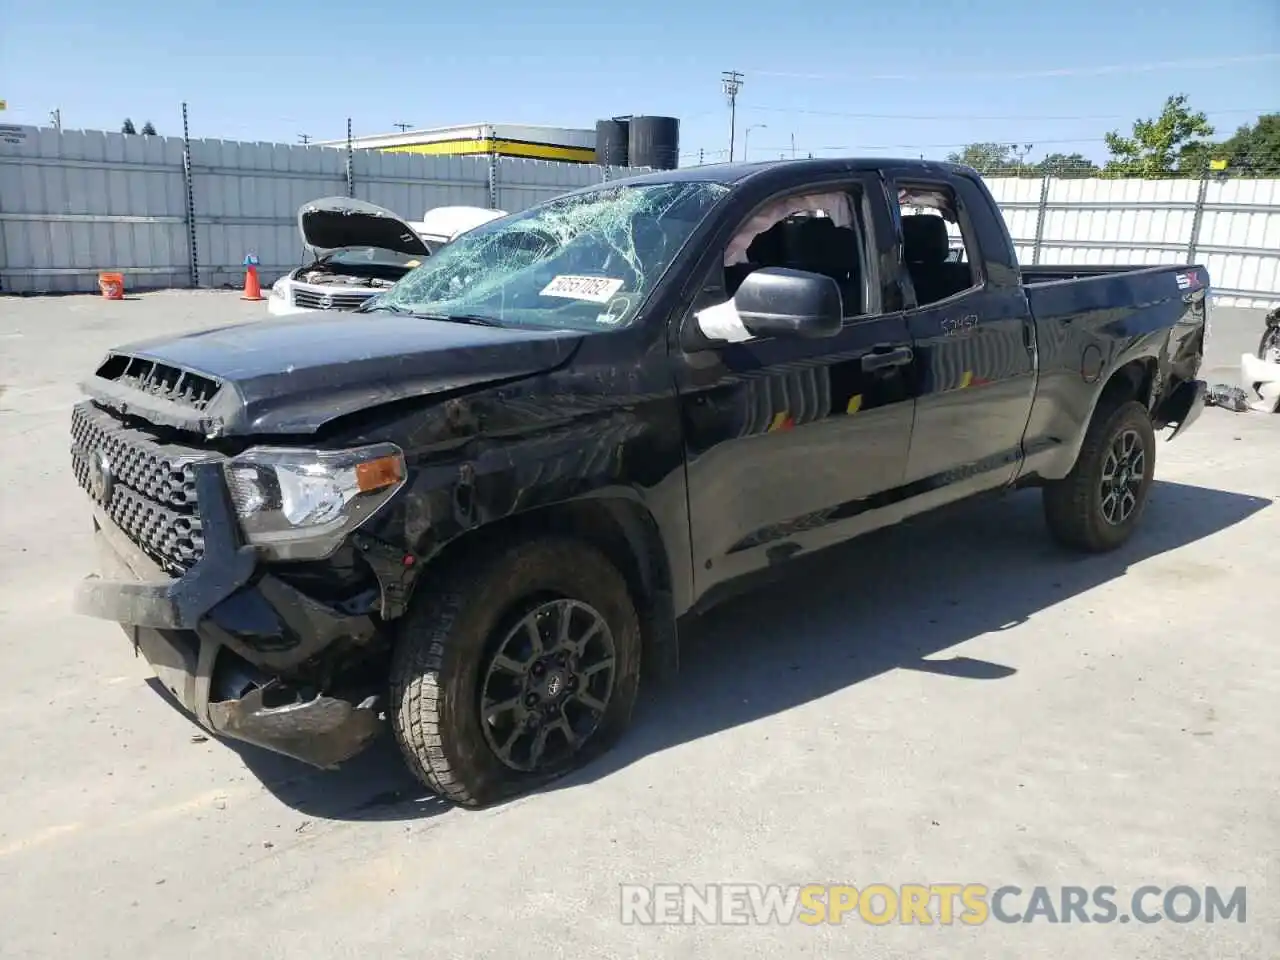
503,148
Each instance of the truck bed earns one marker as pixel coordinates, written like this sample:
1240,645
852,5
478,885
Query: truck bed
1059,293
1080,271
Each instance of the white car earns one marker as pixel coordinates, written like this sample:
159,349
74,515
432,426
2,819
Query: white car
360,249
440,225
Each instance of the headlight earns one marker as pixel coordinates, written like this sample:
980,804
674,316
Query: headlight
281,288
301,504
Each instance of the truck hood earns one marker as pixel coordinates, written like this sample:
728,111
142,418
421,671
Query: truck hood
292,375
331,224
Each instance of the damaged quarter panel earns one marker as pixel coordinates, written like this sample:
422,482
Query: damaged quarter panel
1089,328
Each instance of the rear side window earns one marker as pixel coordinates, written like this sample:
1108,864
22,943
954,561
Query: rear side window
936,247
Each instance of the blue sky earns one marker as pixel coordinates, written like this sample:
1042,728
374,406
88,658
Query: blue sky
907,77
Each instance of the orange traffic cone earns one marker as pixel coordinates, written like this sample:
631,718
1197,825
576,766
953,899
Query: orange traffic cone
252,289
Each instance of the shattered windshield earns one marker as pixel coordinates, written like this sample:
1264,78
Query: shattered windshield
585,261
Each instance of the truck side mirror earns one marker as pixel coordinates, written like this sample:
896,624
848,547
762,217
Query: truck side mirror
781,302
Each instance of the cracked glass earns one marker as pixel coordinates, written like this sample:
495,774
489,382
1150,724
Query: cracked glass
587,261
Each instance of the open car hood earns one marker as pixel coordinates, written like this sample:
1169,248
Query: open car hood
332,223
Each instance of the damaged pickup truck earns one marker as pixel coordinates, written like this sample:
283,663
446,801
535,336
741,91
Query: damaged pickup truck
476,507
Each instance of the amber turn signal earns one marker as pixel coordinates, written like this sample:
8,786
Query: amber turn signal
378,474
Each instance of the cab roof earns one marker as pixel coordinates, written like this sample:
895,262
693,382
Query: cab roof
731,174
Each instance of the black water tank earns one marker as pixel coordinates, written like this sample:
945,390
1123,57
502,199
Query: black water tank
611,142
655,142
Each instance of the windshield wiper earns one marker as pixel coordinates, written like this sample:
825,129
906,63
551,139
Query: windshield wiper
460,318
369,307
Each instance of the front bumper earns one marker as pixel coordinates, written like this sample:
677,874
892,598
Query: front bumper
281,307
225,639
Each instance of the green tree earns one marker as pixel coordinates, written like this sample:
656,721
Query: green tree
148,130
1067,165
1173,144
1254,149
987,158
127,127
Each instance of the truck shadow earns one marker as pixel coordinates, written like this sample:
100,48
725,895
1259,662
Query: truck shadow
894,599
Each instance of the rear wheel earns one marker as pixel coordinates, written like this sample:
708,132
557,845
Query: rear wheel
523,666
1099,504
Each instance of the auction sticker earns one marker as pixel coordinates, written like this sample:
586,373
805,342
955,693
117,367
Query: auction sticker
594,289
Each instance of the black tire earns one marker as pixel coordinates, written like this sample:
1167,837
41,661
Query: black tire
1269,341
1078,514
450,637
1270,338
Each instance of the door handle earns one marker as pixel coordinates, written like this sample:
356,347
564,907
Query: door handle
884,359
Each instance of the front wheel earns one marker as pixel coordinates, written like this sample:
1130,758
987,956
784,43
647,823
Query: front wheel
520,667
1099,504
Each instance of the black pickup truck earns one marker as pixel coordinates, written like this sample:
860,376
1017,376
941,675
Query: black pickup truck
478,506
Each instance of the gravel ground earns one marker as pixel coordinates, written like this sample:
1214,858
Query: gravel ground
951,701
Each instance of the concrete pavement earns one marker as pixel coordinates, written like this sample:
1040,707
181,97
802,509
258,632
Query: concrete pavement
1025,718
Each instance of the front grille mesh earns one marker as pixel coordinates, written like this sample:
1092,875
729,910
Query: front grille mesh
340,301
153,490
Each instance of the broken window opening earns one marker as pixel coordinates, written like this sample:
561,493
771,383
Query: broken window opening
937,251
815,232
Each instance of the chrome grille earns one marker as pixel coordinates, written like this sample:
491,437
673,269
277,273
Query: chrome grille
152,494
315,299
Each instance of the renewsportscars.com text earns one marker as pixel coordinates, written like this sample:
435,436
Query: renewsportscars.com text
971,904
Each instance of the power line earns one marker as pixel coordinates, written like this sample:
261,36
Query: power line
1189,64
959,116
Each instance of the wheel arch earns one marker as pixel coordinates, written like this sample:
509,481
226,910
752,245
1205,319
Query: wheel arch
1133,380
616,523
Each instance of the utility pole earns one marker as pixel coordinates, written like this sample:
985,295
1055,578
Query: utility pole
304,137
793,146
731,83
403,126
1022,154
55,117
